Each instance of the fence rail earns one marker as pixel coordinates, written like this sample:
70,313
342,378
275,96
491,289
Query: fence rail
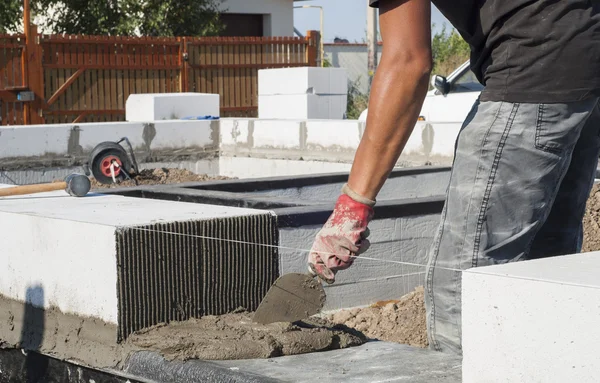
89,78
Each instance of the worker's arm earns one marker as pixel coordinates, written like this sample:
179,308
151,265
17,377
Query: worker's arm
397,94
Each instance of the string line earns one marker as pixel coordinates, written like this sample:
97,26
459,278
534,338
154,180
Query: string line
288,248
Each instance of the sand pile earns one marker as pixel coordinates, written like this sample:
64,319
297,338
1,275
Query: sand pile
591,222
236,336
401,321
161,176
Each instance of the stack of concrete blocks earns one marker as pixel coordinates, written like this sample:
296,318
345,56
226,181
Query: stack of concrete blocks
170,106
302,93
532,321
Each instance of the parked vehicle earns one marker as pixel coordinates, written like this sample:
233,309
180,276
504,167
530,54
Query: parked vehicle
451,98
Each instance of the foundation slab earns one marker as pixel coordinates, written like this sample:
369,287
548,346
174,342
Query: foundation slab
374,362
532,321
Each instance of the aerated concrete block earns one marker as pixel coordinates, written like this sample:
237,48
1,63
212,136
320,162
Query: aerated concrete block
302,106
170,106
304,80
132,262
532,321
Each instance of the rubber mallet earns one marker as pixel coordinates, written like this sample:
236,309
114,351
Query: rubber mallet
77,185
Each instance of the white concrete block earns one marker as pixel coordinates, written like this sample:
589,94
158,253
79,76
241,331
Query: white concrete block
304,80
532,321
234,131
304,106
170,106
33,140
67,245
156,135
333,135
263,167
338,81
276,134
54,140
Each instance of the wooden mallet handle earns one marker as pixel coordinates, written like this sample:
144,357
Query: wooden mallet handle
30,189
77,185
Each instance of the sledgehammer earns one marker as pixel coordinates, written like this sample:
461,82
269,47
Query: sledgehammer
77,185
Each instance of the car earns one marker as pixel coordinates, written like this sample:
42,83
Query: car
450,100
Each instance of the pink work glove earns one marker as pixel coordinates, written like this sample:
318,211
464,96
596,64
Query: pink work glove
343,237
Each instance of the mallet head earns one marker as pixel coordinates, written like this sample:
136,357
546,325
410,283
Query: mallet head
78,185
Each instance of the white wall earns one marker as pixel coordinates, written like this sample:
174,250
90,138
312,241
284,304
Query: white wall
353,58
279,19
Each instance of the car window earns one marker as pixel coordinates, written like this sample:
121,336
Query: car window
466,82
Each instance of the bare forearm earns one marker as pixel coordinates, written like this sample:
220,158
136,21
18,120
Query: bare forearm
397,95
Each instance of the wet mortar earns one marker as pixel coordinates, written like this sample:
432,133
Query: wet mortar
236,336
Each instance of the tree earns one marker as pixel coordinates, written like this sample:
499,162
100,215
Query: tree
131,17
180,18
10,16
449,51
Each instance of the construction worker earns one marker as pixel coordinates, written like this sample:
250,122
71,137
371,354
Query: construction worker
526,155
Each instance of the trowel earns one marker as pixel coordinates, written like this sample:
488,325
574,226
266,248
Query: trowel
292,297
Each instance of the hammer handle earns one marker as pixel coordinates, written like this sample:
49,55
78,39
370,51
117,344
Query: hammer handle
30,189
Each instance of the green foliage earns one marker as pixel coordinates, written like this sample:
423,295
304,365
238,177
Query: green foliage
449,51
357,101
181,18
130,17
11,15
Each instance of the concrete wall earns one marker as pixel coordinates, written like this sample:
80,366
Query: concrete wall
39,153
243,148
279,14
325,140
352,57
532,321
367,281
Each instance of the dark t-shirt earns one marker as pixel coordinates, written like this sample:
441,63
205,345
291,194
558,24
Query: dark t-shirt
530,50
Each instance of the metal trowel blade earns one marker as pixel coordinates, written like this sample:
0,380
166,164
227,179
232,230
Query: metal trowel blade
292,297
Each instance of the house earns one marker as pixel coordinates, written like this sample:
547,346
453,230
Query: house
258,17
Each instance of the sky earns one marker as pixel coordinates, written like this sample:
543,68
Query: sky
343,18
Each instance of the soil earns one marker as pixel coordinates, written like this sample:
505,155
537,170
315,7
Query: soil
591,222
400,321
160,176
236,336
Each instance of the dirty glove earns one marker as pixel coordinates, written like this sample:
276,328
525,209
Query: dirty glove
343,237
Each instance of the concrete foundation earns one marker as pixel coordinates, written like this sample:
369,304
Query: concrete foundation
532,321
374,362
406,218
130,263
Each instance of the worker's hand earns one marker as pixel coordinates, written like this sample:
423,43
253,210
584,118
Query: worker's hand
343,237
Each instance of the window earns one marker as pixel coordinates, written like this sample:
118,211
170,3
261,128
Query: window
466,82
237,24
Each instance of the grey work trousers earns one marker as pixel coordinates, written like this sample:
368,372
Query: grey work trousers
521,177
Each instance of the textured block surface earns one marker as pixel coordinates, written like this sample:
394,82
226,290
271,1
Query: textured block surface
171,274
170,106
532,321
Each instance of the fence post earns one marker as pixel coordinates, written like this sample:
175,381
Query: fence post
183,57
313,38
32,78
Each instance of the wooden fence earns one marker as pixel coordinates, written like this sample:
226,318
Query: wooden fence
11,78
89,78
